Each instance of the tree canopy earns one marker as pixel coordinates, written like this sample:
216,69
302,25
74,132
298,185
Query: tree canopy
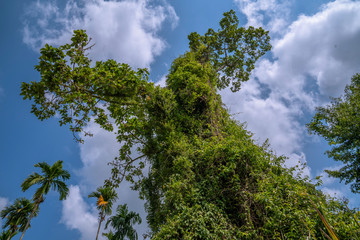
207,178
339,124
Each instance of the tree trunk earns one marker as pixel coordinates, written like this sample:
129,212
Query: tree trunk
13,233
30,217
100,221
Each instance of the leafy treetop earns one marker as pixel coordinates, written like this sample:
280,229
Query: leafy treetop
339,124
232,50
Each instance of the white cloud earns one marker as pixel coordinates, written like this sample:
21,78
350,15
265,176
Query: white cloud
76,214
335,193
95,153
122,30
325,178
266,117
162,81
323,46
3,203
269,118
270,14
298,160
320,50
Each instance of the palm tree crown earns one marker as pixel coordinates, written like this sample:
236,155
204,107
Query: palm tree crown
123,223
17,216
105,199
53,177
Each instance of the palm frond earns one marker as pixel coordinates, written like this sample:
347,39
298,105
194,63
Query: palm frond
32,179
61,188
44,167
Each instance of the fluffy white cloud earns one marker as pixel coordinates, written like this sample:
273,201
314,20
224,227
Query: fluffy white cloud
95,153
271,14
269,117
76,214
298,160
325,178
3,203
323,46
269,111
333,192
122,30
314,57
162,81
266,117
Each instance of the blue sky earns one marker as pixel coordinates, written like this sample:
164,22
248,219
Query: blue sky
315,52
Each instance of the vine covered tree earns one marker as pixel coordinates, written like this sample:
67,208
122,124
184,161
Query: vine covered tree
339,124
207,179
52,177
105,198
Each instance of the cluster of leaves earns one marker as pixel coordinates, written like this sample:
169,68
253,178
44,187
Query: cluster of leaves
339,124
207,179
231,50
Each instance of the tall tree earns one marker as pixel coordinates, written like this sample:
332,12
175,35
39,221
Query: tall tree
122,223
52,177
207,179
105,198
17,216
339,124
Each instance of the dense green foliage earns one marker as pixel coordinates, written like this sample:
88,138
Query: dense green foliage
339,124
207,179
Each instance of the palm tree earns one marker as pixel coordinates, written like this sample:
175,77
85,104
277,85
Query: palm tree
17,216
123,223
108,235
5,235
105,198
52,177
